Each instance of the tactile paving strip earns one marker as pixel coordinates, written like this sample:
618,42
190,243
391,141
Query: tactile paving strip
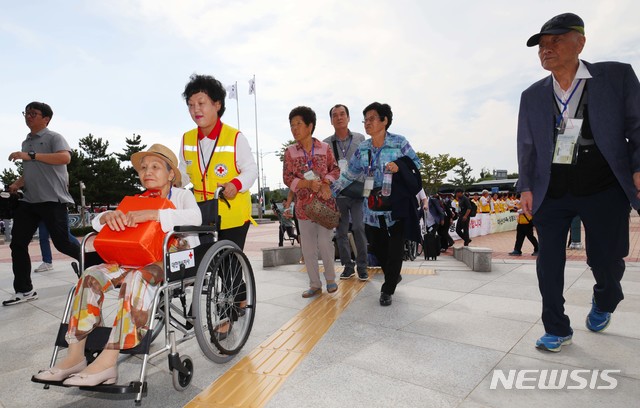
253,380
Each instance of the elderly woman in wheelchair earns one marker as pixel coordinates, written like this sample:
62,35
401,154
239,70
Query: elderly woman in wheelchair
158,172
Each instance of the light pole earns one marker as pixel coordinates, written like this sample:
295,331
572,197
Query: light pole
261,197
82,187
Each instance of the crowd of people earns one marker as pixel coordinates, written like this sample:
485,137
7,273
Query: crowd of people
369,186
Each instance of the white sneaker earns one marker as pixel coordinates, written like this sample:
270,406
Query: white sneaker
44,267
20,298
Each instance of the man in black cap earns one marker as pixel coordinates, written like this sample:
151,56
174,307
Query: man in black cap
578,154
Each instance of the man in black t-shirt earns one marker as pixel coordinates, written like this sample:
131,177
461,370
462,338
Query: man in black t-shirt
462,226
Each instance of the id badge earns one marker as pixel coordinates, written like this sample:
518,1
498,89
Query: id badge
342,163
368,186
310,175
566,148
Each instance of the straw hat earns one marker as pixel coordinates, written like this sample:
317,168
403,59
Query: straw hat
161,152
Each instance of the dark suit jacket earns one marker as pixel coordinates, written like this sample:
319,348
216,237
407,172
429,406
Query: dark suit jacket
406,184
614,115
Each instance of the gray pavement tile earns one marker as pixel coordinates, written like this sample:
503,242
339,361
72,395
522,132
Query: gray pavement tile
473,329
358,388
409,293
589,350
367,309
523,274
624,395
497,306
437,364
344,338
511,290
444,282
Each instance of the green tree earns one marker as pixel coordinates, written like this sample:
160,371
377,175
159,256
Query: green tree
280,153
463,175
9,176
486,174
435,168
132,181
100,171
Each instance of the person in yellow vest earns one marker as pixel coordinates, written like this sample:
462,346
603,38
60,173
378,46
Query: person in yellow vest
485,202
476,201
215,154
524,229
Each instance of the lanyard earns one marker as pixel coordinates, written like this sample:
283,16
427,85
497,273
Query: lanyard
374,158
206,165
342,149
310,159
565,104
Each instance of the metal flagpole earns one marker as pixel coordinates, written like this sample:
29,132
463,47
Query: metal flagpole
238,104
252,90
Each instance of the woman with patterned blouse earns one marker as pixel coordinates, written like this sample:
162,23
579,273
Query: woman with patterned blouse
309,170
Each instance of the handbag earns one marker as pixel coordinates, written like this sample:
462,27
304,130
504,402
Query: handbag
377,201
138,246
323,213
353,190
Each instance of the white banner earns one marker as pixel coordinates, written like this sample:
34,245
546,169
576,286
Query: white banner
485,224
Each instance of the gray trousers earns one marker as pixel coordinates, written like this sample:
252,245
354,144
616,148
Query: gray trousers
316,240
351,211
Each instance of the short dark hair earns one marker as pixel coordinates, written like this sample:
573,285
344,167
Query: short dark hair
382,109
209,85
306,113
45,109
458,190
337,106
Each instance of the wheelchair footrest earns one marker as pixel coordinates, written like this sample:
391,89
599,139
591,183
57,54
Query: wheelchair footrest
133,387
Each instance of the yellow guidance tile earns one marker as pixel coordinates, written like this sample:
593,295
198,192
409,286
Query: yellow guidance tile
253,380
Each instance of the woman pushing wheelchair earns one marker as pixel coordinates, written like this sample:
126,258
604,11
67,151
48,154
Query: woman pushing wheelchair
158,172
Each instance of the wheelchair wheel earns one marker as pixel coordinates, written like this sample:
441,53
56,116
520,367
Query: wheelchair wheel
224,301
182,381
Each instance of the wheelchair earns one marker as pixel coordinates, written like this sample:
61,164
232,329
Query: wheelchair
203,288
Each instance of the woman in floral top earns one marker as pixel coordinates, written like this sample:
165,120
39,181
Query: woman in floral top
374,156
309,169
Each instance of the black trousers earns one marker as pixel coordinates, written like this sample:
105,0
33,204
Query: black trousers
388,247
462,229
605,216
289,231
25,223
443,230
237,235
525,231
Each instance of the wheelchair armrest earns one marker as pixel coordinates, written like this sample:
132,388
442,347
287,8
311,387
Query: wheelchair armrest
194,228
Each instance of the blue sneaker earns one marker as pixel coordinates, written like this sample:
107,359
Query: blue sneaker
550,342
597,320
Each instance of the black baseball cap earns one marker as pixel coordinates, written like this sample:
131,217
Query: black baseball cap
559,24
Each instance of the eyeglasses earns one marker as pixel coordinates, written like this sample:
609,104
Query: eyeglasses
31,114
370,119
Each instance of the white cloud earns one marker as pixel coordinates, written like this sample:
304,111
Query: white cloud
452,71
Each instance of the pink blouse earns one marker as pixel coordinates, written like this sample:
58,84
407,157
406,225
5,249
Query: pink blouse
296,163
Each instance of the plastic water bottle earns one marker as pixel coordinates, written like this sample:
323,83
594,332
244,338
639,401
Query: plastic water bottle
386,183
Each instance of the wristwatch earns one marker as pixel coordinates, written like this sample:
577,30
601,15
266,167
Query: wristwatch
32,154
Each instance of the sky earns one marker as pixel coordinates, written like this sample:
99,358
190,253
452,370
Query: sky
452,71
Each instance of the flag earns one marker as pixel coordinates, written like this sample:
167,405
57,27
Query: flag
252,86
231,89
